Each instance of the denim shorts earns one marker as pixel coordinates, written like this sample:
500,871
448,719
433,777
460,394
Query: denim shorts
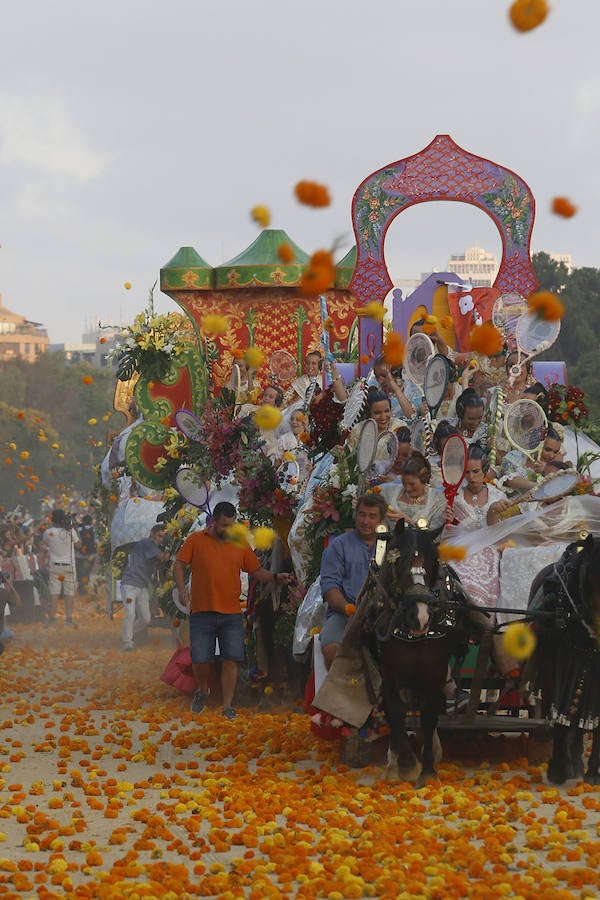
207,627
333,628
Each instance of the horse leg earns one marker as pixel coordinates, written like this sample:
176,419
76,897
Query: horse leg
400,752
592,776
575,753
558,762
429,718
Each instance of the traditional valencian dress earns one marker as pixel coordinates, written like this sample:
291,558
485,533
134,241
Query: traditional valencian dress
479,572
431,506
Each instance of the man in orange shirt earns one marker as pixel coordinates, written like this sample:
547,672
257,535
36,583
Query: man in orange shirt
214,601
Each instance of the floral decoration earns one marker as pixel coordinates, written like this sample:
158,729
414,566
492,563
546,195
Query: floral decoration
566,405
332,508
511,205
150,344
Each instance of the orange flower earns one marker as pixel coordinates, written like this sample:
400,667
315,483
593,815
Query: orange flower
8,461
528,14
237,354
393,349
428,328
447,552
365,359
447,322
102,340
350,609
546,305
20,415
286,254
315,280
87,379
561,206
312,194
485,339
60,577
305,437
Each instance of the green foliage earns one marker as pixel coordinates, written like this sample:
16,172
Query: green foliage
579,336
46,413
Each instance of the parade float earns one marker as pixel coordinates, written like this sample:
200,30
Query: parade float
188,442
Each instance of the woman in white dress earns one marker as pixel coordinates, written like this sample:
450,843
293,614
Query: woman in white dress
413,499
479,572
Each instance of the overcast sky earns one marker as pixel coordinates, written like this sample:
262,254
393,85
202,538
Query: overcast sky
129,129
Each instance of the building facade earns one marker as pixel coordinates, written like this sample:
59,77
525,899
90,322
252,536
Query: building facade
475,265
19,337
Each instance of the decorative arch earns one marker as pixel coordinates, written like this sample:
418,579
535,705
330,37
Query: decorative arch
441,171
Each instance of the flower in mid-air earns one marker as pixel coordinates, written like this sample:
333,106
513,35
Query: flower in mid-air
261,215
266,417
525,15
312,194
562,206
546,305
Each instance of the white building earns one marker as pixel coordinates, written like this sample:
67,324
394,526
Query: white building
475,265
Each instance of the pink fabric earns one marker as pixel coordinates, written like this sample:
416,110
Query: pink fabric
178,671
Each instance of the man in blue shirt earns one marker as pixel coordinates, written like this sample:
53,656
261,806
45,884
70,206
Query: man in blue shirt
344,568
143,561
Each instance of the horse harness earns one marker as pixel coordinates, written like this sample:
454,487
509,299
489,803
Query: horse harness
445,605
569,577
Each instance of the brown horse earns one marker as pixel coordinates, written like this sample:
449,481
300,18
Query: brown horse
417,620
565,667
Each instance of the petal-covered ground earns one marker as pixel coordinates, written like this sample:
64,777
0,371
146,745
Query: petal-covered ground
111,788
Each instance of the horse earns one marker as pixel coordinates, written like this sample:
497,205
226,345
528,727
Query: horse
565,667
417,619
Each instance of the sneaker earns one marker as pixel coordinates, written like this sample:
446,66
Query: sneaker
198,702
458,702
229,712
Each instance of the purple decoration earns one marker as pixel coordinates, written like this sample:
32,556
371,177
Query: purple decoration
441,171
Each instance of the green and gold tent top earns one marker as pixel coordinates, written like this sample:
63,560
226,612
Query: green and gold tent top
344,270
186,271
260,266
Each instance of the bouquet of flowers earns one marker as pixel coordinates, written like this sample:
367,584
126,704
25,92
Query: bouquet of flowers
149,345
566,405
332,508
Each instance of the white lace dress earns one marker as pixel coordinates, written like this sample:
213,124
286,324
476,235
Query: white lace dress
479,572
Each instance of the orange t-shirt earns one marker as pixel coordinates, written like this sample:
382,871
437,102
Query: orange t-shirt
216,567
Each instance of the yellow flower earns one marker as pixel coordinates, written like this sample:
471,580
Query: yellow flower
372,310
213,324
24,454
254,357
267,418
55,446
237,534
263,537
92,421
261,215
127,285
519,640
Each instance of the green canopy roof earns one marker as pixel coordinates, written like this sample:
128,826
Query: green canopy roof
260,266
186,271
345,269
